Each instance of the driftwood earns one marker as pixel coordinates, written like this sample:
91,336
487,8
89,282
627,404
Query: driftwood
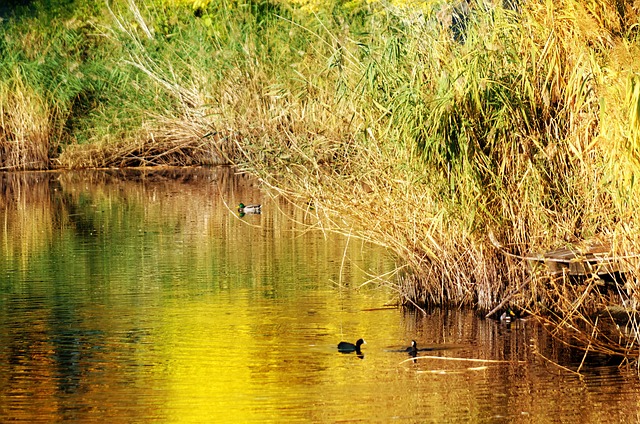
596,259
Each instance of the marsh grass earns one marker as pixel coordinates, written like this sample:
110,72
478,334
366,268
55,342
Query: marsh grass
448,141
391,124
26,126
177,143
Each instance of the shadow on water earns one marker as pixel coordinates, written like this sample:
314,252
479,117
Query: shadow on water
134,296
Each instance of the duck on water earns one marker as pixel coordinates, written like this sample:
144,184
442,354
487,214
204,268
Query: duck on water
413,349
255,209
346,347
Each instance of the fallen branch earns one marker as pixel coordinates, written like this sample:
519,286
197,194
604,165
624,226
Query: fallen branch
445,358
508,297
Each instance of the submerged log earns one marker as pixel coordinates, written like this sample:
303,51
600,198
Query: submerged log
594,260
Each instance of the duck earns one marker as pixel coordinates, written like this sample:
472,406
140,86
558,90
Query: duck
413,349
255,209
507,316
346,347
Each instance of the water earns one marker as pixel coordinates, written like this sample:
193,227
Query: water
139,296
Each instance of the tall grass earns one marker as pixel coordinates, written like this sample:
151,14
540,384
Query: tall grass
44,76
509,132
26,125
430,129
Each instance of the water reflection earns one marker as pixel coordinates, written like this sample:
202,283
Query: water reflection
134,296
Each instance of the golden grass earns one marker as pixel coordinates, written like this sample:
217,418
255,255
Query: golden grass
25,126
164,142
541,176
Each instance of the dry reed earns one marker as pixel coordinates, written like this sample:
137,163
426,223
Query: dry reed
170,142
25,126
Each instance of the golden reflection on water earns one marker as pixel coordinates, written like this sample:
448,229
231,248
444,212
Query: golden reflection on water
142,296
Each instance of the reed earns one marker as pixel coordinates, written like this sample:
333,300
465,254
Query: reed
26,126
42,80
451,141
428,129
164,142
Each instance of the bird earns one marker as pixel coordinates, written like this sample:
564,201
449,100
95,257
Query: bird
255,209
346,347
507,316
413,349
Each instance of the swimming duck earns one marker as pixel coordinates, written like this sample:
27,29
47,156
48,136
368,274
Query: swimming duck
242,208
413,349
346,347
507,316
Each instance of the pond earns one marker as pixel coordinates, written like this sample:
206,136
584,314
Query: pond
143,296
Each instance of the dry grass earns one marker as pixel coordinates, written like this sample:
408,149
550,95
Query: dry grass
26,126
514,148
169,142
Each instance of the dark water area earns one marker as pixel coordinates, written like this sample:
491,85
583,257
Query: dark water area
143,296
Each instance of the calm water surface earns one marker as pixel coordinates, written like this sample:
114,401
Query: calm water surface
142,296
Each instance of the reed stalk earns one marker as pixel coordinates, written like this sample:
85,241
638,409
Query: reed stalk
25,126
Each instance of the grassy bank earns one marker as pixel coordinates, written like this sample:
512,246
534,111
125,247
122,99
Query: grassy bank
464,137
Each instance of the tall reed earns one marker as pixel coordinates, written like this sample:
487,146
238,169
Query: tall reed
42,74
26,125
453,140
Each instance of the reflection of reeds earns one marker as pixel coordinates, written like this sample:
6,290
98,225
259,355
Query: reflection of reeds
185,216
28,213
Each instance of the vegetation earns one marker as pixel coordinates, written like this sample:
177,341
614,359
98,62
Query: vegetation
464,136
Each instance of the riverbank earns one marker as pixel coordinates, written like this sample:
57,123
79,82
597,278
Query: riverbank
424,128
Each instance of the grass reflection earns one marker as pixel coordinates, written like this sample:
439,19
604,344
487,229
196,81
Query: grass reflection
149,297
134,296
